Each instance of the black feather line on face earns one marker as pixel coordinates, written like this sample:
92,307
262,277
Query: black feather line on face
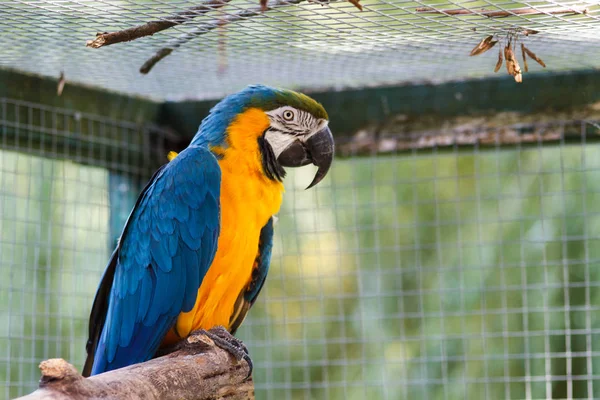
271,166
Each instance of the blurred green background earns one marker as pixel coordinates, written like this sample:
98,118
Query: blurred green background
447,275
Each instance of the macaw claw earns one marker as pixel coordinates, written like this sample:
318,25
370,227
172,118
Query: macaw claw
230,343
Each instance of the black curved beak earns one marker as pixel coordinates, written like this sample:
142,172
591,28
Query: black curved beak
318,149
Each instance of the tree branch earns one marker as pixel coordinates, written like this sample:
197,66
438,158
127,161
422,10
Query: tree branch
152,27
198,370
206,27
505,13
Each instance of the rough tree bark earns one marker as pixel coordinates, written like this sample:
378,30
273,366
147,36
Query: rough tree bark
198,370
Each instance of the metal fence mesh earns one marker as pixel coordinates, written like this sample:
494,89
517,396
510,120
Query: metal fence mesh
306,45
67,179
433,275
438,276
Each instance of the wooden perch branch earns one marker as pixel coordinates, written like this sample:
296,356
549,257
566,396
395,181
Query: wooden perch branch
505,13
204,28
152,27
199,370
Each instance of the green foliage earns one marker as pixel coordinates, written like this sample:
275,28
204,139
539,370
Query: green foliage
54,235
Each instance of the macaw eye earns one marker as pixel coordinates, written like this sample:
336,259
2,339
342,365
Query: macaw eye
288,115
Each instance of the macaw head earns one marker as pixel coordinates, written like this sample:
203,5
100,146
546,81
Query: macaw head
283,127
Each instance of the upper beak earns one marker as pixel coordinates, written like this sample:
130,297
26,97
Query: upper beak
317,149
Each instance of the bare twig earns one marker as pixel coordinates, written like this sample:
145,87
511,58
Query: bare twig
152,27
505,13
199,370
356,3
206,27
159,55
61,83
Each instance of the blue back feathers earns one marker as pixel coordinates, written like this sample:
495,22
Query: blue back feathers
166,248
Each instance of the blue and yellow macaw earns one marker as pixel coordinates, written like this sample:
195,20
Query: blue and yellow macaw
195,251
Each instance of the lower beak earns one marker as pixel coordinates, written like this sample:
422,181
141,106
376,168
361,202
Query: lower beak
317,149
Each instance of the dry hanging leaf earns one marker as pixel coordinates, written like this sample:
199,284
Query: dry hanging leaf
512,65
509,60
532,55
519,77
525,67
483,46
499,62
263,5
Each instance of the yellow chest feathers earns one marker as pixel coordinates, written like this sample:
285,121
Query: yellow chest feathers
248,200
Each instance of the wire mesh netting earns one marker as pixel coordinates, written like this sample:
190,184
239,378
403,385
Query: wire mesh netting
307,45
433,275
438,276
430,274
67,180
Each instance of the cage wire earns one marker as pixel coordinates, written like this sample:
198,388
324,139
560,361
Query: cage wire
437,275
432,274
318,45
68,181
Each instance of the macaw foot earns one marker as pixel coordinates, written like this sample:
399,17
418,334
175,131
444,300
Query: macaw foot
230,343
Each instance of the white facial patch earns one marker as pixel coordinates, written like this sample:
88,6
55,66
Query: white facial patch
279,141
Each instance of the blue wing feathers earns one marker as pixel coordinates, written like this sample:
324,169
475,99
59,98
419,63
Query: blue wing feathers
146,288
263,260
193,277
183,211
260,270
143,222
129,307
160,254
180,294
114,330
138,348
166,248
